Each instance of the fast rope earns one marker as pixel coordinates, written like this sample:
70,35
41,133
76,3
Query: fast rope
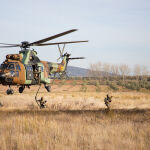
41,102
36,96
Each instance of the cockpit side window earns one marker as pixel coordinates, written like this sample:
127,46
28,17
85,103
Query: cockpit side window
11,67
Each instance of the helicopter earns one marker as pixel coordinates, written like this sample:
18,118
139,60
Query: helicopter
26,69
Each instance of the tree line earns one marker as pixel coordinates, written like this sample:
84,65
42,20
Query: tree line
99,69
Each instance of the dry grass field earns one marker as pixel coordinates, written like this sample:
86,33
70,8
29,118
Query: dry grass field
74,120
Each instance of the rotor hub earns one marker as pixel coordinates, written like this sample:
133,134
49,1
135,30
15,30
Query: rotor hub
25,44
66,54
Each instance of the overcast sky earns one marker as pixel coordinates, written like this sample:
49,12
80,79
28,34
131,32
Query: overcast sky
118,30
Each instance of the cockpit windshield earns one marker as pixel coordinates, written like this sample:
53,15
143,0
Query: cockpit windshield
3,66
10,66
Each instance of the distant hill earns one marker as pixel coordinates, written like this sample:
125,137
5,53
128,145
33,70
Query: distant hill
80,72
77,71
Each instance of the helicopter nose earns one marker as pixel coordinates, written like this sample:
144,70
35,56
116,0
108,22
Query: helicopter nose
2,75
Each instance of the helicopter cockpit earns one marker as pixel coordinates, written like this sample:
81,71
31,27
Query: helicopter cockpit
3,66
10,66
10,69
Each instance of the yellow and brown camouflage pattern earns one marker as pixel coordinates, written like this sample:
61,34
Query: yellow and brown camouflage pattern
31,70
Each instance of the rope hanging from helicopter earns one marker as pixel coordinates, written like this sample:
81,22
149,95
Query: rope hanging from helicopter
37,101
40,102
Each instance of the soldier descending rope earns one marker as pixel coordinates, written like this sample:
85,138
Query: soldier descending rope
107,101
42,102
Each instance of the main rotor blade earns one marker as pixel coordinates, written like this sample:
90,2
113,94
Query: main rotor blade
60,43
9,46
77,58
52,37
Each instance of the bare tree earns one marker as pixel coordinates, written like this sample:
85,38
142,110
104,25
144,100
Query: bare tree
114,70
137,71
91,70
95,70
106,69
144,74
124,71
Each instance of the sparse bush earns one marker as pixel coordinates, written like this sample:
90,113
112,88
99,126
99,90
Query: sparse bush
102,82
63,82
97,83
148,87
113,86
91,82
74,83
83,87
98,89
107,82
120,83
132,86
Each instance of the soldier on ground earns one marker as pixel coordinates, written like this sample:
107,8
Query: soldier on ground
107,101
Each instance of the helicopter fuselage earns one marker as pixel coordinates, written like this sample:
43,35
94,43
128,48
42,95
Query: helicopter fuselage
26,69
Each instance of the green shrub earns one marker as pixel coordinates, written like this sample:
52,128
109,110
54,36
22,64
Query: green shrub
132,86
148,87
120,83
83,87
98,89
91,82
113,86
97,83
74,83
63,82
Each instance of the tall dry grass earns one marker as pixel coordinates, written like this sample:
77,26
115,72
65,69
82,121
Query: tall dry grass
45,130
77,100
75,120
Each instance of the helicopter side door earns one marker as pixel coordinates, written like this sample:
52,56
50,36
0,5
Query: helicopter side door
29,72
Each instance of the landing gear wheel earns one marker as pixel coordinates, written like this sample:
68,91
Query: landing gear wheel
10,91
21,89
48,88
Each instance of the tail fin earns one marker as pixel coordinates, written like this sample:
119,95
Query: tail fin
64,63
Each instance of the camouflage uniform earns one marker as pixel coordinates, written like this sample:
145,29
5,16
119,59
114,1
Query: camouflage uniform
42,102
107,101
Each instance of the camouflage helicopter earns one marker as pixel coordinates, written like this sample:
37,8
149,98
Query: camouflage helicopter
26,69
